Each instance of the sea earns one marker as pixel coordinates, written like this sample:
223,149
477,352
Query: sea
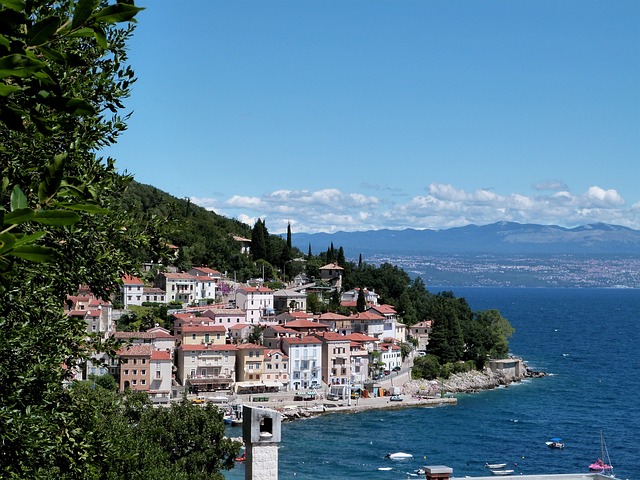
586,340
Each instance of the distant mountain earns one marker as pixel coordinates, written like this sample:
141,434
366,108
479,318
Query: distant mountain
495,239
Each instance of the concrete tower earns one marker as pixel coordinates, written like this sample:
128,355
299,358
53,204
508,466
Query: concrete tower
261,435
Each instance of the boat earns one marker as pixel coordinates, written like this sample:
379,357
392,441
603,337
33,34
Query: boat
603,464
495,466
398,456
501,472
555,443
242,457
385,469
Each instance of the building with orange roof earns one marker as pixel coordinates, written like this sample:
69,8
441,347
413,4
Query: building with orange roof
240,332
390,355
249,363
276,367
288,300
131,291
420,331
272,335
336,358
369,323
256,301
336,322
305,327
226,316
351,297
206,367
305,361
392,328
332,273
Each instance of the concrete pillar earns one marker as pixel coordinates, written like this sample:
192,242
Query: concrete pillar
437,472
261,432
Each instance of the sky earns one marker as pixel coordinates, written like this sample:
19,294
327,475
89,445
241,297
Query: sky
360,115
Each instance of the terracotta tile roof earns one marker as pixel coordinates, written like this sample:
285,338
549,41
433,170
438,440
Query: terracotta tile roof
160,355
250,346
332,336
131,280
250,289
137,350
272,351
361,338
206,270
303,323
239,326
388,309
368,315
331,266
306,340
332,316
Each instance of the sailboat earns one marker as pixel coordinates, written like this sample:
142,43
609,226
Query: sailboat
603,464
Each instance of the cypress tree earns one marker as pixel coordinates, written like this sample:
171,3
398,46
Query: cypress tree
361,303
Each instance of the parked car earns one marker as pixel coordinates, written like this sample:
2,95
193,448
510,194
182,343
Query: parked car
396,369
395,398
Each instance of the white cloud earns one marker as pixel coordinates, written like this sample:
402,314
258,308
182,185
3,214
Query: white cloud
444,206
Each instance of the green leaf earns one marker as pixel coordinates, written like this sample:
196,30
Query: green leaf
101,36
82,11
19,66
33,253
117,13
18,199
7,241
85,32
79,107
53,54
6,90
56,218
52,178
15,5
4,41
43,30
26,239
19,216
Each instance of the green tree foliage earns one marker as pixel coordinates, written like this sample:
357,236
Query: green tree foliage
131,439
140,318
426,367
259,241
63,77
361,303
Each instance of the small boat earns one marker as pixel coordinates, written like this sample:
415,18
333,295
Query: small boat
385,469
501,472
495,466
555,443
398,456
600,465
242,457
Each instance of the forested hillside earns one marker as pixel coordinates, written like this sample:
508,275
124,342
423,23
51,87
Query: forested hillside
202,237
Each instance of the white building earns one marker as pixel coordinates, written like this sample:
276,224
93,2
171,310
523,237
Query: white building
131,291
305,361
256,301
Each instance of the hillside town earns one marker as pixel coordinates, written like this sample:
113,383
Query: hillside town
249,339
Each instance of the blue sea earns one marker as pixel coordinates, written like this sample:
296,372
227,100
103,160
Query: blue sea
587,340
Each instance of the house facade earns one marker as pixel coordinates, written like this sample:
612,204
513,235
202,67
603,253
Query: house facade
276,368
336,358
255,301
305,361
205,367
289,301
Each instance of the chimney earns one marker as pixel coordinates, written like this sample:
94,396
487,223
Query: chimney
437,472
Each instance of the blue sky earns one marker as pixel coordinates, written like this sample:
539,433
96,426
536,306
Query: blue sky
358,115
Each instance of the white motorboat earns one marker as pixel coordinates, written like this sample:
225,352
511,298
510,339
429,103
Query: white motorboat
495,466
501,472
398,455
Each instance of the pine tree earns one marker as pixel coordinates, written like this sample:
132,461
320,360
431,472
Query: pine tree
340,260
309,255
258,241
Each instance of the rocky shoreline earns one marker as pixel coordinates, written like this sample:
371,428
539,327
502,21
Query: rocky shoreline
415,393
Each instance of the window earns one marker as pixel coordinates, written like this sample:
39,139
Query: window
144,360
143,382
193,336
135,382
158,375
135,361
126,372
134,372
143,372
